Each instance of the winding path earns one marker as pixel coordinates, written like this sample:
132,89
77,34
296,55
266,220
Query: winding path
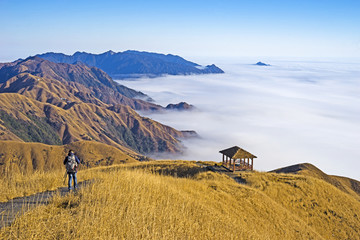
18,206
15,207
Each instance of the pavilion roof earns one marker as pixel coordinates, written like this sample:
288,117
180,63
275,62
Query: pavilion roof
236,153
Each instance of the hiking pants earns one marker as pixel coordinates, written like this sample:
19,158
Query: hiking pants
72,175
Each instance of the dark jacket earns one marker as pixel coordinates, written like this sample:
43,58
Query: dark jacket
76,159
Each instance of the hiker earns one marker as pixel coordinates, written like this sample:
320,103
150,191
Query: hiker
71,163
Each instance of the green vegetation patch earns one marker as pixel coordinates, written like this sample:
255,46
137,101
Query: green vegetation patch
38,130
133,139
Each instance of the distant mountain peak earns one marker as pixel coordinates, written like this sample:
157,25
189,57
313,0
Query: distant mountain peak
78,53
132,63
110,52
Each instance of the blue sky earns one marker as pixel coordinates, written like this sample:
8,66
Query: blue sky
226,28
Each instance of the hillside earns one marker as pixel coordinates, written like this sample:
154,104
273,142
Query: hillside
27,158
61,93
134,63
347,185
53,103
180,200
35,121
96,82
28,168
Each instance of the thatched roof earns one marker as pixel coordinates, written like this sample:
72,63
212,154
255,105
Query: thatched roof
236,153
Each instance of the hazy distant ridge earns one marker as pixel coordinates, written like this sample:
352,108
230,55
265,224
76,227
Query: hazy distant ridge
134,63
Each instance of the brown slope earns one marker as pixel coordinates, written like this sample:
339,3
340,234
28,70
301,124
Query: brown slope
34,121
60,93
47,90
62,88
345,184
100,85
10,63
17,157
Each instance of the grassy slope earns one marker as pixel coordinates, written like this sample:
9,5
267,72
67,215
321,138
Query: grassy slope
83,121
347,185
331,212
146,201
26,158
27,168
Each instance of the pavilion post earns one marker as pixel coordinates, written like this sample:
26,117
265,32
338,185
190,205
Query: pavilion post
233,165
252,164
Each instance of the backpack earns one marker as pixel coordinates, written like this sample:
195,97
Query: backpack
71,164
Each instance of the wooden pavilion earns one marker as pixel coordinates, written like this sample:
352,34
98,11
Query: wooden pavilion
237,159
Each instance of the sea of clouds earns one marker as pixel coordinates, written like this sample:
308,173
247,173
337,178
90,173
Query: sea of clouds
287,113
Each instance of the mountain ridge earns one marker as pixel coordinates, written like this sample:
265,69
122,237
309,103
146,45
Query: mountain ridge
53,103
32,120
101,86
133,63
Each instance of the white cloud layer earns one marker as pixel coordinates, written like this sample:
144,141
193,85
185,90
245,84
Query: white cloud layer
288,113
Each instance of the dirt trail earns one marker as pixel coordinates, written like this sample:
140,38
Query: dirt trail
18,206
222,170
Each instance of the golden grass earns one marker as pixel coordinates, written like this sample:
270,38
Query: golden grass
179,200
14,184
20,185
331,212
26,158
28,168
345,184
